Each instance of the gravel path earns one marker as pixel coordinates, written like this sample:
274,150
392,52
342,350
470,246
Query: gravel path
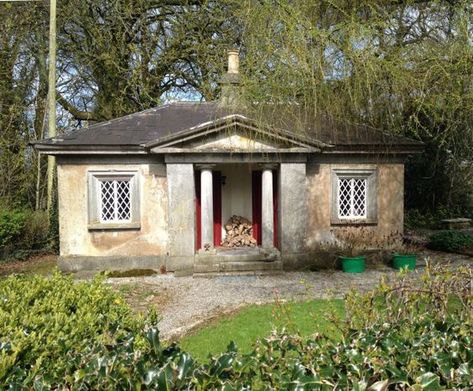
190,301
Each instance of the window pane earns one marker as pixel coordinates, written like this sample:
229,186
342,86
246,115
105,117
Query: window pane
344,197
115,200
107,201
359,198
352,197
123,200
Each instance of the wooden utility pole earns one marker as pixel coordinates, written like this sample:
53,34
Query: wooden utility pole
51,99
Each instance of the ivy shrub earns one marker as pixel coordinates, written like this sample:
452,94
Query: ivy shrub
450,241
410,334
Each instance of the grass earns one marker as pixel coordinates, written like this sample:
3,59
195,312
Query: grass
42,265
257,321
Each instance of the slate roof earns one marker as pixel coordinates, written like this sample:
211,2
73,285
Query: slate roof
134,131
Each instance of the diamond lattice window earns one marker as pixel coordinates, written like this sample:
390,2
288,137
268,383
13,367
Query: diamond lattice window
115,200
352,194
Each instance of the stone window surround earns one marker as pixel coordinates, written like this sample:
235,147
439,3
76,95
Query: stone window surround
371,175
94,177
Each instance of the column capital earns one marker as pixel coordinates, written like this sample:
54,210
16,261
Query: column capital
268,166
205,166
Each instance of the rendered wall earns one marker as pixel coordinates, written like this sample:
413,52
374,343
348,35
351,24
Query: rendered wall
181,195
152,239
293,213
75,237
390,199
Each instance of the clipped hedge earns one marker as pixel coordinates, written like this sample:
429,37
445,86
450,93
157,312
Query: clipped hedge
81,336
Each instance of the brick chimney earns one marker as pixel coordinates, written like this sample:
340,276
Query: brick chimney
230,81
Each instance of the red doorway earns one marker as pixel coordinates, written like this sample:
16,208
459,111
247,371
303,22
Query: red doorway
198,212
256,194
217,206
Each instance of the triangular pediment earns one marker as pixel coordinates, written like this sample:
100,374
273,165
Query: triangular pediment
238,141
232,134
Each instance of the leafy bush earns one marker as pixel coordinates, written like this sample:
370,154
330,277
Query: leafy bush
450,241
45,320
12,223
406,334
36,229
22,231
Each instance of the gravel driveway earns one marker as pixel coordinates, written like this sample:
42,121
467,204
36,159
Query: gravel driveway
185,302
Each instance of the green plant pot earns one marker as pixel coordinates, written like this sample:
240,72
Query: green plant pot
402,261
353,264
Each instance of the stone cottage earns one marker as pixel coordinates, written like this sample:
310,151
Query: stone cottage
159,188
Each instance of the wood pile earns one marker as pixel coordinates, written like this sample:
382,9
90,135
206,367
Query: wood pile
239,233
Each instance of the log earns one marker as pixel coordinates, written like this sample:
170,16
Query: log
239,232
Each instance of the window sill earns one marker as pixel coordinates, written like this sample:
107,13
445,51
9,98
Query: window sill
113,226
341,222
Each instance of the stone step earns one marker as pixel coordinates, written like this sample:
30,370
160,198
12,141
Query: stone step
237,267
239,274
207,259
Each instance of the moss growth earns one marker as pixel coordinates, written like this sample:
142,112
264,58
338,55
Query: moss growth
130,273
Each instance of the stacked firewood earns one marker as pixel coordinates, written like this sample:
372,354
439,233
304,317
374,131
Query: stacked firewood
239,233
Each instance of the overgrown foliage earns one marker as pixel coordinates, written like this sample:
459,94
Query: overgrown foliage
411,333
450,241
12,222
404,67
23,231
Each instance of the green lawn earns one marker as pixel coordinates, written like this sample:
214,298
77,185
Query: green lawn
254,322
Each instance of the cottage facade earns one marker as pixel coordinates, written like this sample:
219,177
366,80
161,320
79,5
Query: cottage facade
155,189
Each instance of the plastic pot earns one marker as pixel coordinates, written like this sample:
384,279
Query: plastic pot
353,264
401,261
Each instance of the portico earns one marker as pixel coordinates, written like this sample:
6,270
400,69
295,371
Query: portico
247,190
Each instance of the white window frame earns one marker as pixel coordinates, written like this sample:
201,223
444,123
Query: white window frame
114,180
95,179
351,215
370,175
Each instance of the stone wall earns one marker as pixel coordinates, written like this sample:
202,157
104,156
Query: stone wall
76,239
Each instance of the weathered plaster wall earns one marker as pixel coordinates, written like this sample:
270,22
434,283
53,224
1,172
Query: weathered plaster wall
293,213
390,200
181,194
75,237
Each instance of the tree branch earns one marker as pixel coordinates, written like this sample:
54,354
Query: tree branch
76,113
